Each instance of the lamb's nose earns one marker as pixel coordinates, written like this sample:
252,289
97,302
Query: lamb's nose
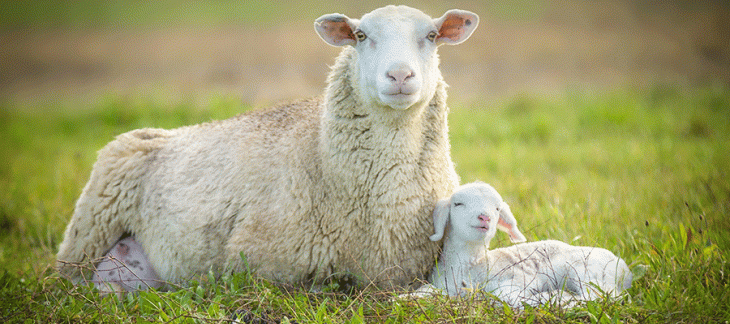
484,218
400,73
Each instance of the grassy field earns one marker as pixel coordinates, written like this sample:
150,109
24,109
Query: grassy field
643,173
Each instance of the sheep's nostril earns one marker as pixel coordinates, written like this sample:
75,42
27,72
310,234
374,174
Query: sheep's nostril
400,73
483,218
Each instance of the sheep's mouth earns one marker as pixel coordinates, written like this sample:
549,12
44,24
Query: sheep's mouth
400,96
399,100
482,228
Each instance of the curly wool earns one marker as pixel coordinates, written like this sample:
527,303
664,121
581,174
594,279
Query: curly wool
304,191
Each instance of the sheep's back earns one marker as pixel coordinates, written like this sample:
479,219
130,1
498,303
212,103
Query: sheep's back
212,177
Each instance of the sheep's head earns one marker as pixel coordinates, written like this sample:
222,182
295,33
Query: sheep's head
396,46
474,213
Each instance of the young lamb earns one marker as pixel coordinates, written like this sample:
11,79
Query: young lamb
532,273
342,184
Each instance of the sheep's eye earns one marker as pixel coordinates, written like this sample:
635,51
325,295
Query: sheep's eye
432,36
360,36
458,204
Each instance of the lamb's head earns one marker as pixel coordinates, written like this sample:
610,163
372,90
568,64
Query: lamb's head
473,214
396,49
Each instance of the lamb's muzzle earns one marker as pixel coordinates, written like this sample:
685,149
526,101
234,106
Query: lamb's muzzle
481,202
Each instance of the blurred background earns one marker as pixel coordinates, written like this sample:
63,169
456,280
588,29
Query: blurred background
267,51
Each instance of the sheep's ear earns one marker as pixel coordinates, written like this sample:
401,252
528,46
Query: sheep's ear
440,218
336,29
508,224
455,26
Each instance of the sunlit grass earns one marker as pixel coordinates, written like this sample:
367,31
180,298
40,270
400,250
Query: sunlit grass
643,173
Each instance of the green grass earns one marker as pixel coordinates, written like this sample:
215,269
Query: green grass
643,173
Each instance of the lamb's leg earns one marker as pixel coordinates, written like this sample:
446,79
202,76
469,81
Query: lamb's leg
512,295
125,268
541,289
598,273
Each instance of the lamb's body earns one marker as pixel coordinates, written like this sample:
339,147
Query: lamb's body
539,272
331,185
533,273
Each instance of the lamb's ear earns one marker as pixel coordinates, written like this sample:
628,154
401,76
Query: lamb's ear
440,218
508,224
455,26
336,29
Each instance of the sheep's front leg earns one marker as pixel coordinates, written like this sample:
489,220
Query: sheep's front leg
125,268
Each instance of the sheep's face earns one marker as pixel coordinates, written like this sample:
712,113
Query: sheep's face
474,213
396,46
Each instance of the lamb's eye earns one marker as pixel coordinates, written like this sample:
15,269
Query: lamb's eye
457,204
432,36
360,36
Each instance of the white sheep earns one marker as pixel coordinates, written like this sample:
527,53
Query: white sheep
342,184
532,273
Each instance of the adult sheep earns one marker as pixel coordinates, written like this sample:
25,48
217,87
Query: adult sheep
343,184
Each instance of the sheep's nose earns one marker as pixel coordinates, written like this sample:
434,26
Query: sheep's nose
399,73
484,218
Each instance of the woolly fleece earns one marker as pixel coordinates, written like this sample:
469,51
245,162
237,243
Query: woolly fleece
304,191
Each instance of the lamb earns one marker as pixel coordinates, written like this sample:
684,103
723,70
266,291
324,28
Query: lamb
532,273
340,185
